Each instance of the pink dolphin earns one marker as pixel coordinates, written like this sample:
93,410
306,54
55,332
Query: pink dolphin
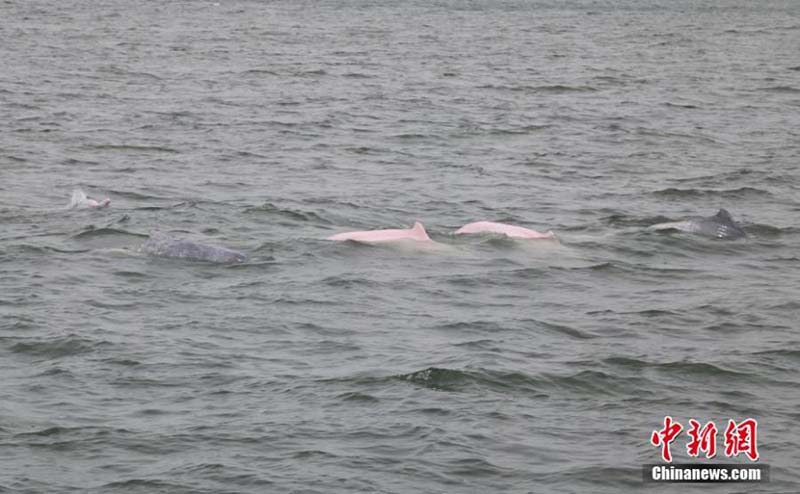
416,233
92,203
504,229
80,200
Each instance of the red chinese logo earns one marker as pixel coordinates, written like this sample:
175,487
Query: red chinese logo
739,438
665,436
704,439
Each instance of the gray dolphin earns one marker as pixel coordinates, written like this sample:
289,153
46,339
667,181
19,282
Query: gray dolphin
721,225
161,245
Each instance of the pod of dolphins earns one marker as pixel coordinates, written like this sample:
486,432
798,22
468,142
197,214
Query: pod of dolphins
721,226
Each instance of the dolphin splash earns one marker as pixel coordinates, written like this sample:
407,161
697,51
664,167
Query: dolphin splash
721,225
161,245
79,200
511,231
416,233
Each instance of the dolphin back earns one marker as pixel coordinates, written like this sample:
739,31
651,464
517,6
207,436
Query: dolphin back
727,227
721,225
161,245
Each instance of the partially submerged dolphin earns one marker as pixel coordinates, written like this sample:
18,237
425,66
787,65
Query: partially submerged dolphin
510,231
721,225
416,233
161,245
79,200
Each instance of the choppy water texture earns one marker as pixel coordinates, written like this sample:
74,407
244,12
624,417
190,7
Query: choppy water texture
484,366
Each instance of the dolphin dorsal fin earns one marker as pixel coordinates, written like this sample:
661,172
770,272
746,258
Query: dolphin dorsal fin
419,231
724,215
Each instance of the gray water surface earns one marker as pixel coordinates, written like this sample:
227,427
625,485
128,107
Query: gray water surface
485,365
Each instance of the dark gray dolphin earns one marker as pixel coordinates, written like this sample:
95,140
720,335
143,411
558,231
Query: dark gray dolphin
161,245
721,225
